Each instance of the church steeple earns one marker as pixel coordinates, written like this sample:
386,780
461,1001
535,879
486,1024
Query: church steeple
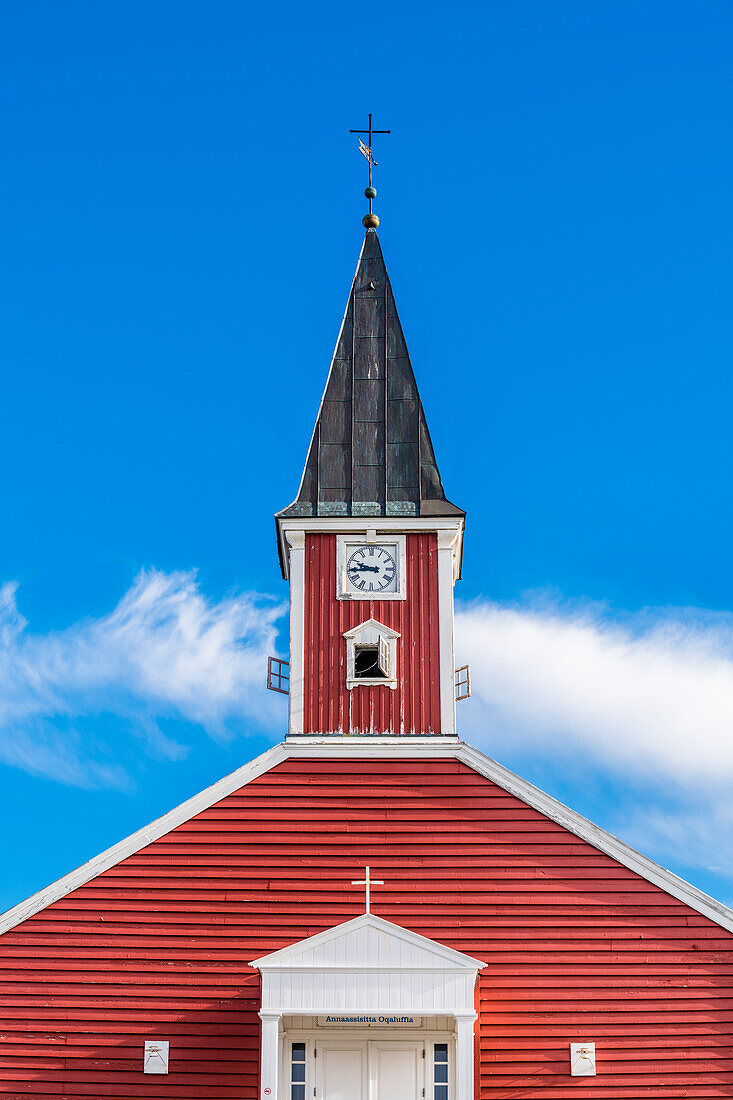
371,453
371,547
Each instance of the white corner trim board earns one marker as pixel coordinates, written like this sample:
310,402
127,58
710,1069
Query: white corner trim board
446,580
296,563
376,748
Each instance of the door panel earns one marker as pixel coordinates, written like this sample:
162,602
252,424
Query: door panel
343,1072
397,1071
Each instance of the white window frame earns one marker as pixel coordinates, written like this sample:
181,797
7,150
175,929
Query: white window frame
431,1064
345,544
372,633
288,1081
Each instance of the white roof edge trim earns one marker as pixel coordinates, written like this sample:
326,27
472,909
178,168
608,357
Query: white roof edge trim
606,842
279,958
379,747
341,745
382,524
132,844
556,811
355,630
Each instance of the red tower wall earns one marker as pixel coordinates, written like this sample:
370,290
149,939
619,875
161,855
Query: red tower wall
414,706
577,946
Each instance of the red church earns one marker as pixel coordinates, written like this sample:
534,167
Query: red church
372,910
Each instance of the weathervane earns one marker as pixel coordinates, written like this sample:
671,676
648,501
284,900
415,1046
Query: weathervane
370,220
367,881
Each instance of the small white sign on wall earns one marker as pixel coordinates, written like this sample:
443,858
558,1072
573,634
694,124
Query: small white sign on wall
156,1056
582,1059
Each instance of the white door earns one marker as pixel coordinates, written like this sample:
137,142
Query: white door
396,1071
341,1071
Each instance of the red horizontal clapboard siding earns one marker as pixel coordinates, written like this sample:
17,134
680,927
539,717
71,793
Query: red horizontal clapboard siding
414,705
577,946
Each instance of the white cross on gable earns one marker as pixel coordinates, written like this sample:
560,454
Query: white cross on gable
367,881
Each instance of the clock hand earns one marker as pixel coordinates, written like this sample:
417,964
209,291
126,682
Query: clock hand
365,568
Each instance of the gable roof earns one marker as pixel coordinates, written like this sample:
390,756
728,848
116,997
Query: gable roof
368,937
369,624
371,453
379,748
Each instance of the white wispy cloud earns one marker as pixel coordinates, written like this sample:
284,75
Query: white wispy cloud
646,698
165,651
643,699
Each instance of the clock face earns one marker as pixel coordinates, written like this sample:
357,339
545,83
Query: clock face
372,569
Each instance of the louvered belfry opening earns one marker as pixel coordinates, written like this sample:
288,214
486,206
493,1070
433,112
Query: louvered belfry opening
371,453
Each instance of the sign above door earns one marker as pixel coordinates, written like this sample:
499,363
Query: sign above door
366,1020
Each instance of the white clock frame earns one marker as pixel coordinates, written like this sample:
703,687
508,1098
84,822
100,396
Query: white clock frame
346,543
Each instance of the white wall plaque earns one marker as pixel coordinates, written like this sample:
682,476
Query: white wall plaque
156,1056
583,1059
370,1020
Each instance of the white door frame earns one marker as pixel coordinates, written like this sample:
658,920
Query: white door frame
319,1038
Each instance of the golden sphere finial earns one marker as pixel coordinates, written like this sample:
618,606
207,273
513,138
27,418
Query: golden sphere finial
370,221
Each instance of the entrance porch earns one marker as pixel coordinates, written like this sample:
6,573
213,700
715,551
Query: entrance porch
367,1011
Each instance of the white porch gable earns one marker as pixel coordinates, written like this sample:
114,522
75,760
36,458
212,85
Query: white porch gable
367,965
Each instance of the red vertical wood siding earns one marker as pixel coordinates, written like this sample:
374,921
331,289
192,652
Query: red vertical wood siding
414,706
577,947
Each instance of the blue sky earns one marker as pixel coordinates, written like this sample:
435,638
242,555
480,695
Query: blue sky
181,206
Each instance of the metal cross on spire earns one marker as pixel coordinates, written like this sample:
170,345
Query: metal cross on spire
367,881
371,221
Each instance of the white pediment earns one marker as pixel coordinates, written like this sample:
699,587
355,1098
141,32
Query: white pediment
368,942
370,631
368,964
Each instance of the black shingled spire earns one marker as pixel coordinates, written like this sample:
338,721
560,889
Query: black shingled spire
371,453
